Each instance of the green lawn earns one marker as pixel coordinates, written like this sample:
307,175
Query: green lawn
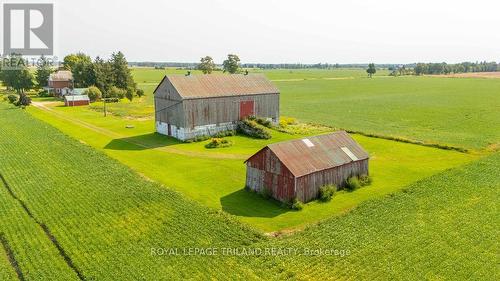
216,176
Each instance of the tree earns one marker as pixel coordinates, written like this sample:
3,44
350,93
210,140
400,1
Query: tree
206,65
121,73
232,64
43,71
19,77
82,69
93,93
115,92
129,94
103,75
139,92
371,70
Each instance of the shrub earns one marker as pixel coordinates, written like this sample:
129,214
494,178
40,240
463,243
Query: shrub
285,121
365,180
297,205
228,133
326,192
253,129
129,94
115,92
44,94
12,98
261,121
352,184
93,93
218,143
266,193
139,92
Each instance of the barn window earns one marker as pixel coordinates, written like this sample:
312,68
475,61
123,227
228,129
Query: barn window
308,142
349,153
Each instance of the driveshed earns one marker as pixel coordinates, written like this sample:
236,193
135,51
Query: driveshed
298,168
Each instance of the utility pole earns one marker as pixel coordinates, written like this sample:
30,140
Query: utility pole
104,102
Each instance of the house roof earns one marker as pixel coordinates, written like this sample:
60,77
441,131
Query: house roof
76,98
312,154
220,85
61,75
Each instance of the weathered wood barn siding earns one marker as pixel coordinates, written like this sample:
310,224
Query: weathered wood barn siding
308,185
217,110
265,171
298,168
195,105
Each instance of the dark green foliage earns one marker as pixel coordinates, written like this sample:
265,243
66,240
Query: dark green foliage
232,64
12,98
252,129
218,143
82,68
115,92
262,121
228,133
371,69
297,205
352,184
129,94
266,193
365,180
139,92
326,192
19,77
43,71
44,94
93,93
206,65
23,100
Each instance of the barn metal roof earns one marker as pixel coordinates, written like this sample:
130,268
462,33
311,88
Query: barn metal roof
220,85
76,97
61,75
312,154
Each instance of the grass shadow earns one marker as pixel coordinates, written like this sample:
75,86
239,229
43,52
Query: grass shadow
142,142
249,204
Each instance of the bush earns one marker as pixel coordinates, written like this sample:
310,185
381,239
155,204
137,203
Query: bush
115,92
266,193
297,205
365,180
129,94
139,92
352,184
228,133
12,98
253,129
44,94
326,192
261,121
93,93
218,143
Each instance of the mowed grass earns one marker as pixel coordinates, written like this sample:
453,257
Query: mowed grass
216,177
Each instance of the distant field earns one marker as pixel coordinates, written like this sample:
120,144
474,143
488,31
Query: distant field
472,75
458,112
105,218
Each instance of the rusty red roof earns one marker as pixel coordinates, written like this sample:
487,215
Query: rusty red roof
221,85
312,154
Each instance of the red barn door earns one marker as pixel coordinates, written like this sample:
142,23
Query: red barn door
246,109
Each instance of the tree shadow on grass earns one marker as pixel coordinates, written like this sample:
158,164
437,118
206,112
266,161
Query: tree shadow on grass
249,204
142,142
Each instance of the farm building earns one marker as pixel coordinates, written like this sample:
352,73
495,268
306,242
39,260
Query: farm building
298,168
60,83
76,100
187,106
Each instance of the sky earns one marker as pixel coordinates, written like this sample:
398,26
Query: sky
281,31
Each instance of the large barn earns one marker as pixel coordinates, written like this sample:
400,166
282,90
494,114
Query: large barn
187,106
298,168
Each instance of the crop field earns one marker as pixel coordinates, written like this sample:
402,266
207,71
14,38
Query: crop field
69,212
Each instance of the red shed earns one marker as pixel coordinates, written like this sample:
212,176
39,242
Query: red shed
298,168
76,100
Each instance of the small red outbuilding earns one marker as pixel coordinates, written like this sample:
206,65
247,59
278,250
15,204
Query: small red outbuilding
298,168
76,100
